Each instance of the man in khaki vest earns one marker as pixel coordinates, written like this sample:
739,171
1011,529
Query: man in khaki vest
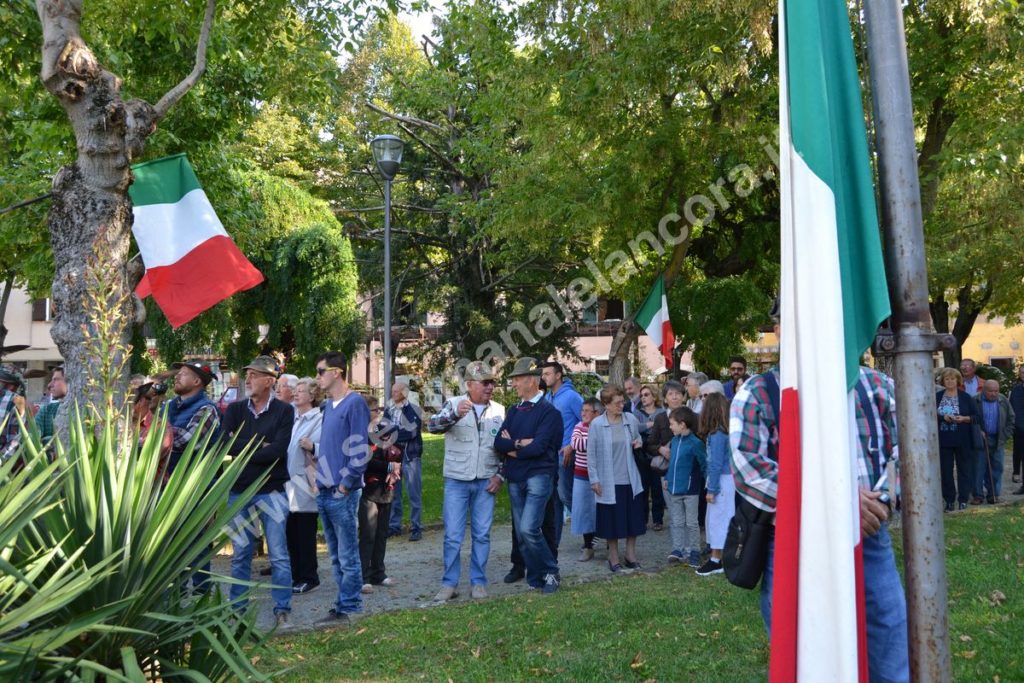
470,423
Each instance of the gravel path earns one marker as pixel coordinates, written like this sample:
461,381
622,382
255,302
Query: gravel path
417,568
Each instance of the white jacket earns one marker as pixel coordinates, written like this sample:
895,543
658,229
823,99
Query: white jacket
469,443
301,497
600,467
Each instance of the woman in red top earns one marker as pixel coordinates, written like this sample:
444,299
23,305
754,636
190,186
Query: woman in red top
584,505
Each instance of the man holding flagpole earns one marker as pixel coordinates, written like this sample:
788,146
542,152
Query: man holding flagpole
840,609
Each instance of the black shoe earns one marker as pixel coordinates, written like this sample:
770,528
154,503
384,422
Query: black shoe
514,574
631,565
709,568
961,506
304,587
394,532
336,617
416,536
266,571
1019,492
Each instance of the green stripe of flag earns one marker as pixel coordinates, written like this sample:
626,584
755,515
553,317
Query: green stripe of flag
827,123
163,181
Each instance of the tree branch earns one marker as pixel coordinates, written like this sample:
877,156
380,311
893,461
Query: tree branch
430,148
411,120
27,202
178,91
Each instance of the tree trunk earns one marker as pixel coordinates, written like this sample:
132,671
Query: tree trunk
4,299
91,216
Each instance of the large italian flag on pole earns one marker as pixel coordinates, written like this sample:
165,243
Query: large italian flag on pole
833,298
191,263
653,317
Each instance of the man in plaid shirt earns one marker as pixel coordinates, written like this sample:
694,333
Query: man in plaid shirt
11,402
754,437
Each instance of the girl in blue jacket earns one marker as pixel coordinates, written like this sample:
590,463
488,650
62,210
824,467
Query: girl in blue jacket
721,495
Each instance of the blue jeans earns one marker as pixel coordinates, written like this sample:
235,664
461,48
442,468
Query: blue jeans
885,607
563,498
529,499
462,498
340,515
272,509
412,477
988,478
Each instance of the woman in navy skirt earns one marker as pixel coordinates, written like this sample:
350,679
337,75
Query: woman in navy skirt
615,478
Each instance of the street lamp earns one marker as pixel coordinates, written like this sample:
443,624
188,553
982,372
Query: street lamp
387,152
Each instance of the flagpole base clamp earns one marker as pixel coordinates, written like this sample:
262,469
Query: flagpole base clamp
911,339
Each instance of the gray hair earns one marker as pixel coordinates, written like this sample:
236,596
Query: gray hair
635,380
698,377
712,386
312,386
290,381
403,386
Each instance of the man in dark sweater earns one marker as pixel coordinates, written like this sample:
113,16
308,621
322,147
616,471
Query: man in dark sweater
266,423
530,438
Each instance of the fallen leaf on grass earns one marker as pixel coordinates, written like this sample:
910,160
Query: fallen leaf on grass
638,661
965,638
255,660
969,654
996,598
476,652
361,631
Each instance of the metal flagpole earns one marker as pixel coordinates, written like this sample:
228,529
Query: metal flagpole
913,343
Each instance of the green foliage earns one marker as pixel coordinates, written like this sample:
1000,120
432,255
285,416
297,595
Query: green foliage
112,551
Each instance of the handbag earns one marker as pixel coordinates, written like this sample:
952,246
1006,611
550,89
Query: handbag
751,531
659,465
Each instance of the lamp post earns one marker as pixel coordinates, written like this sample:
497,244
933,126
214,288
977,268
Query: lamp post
387,153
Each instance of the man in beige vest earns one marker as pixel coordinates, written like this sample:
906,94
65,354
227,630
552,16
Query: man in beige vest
469,424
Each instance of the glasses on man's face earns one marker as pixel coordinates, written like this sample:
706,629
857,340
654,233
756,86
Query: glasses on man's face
487,382
321,371
736,368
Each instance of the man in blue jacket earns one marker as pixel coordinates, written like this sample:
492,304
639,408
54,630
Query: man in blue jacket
563,395
342,456
530,438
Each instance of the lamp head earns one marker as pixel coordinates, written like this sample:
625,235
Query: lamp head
387,152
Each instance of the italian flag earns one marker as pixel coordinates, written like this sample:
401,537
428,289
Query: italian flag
191,262
653,317
833,298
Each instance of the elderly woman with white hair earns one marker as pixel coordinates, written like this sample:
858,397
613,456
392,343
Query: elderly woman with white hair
301,488
694,381
284,388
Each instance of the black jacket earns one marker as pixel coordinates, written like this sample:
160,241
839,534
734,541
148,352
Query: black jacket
270,433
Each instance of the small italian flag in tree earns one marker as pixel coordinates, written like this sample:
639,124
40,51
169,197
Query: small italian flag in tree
653,317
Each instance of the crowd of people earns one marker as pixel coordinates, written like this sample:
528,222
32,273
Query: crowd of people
615,466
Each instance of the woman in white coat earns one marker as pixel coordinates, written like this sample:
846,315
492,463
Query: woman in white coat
301,487
615,478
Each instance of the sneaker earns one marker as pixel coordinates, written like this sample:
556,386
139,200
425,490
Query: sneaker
266,571
445,594
304,587
658,526
282,620
694,560
710,567
336,617
614,568
977,500
416,536
478,592
586,555
961,506
394,532
949,507
632,565
550,584
676,556
514,574
1019,492
388,581
367,589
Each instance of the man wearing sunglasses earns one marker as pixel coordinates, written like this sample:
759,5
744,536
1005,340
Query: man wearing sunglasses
470,423
342,456
738,373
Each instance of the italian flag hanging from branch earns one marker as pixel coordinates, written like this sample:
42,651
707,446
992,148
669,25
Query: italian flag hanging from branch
653,317
191,262
833,298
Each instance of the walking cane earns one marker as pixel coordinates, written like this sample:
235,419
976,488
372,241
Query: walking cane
988,458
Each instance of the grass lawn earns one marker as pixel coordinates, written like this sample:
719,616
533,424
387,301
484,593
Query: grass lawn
665,627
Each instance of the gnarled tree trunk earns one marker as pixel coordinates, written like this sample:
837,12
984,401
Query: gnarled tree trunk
91,216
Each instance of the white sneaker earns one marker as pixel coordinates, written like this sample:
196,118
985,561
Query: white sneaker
445,594
388,581
367,588
282,621
478,592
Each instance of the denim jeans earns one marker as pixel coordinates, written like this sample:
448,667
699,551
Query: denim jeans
412,479
462,498
885,608
989,479
529,499
339,515
563,497
272,509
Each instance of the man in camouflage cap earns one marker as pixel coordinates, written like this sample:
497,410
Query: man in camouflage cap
12,400
470,423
